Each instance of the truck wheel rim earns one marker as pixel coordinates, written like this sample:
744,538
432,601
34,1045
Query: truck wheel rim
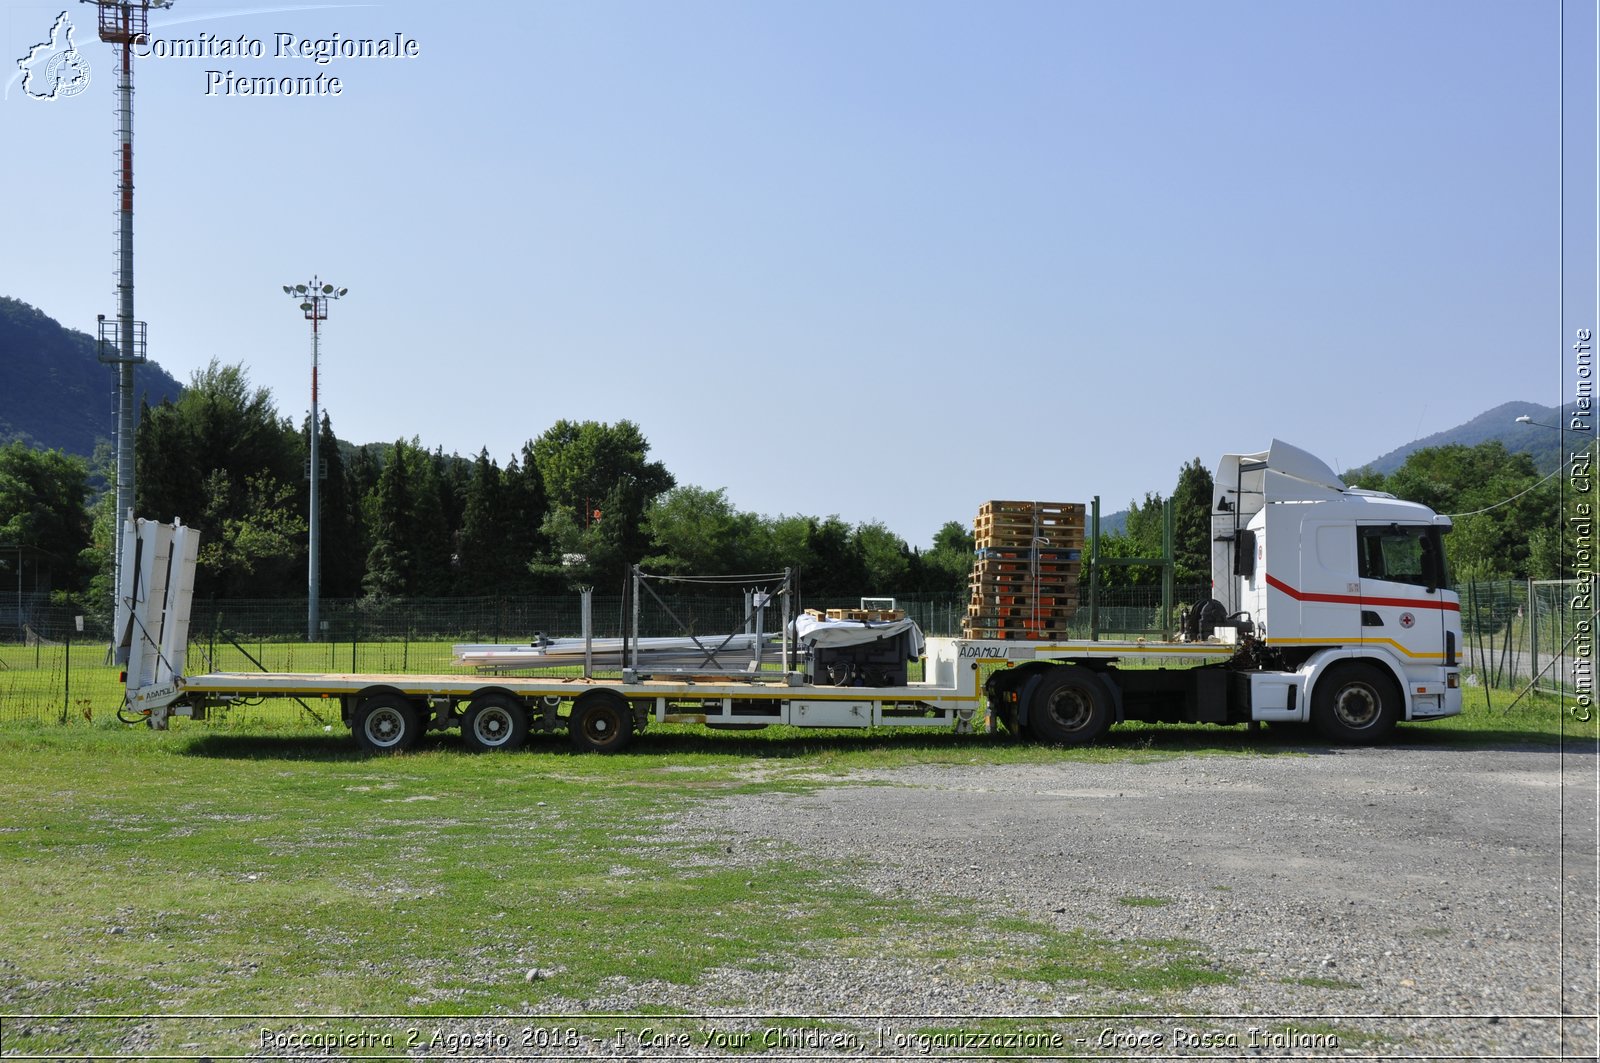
385,727
600,724
492,727
1070,709
1358,705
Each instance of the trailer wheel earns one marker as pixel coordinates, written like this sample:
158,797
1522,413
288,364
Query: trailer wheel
1355,703
1068,707
601,723
387,723
494,722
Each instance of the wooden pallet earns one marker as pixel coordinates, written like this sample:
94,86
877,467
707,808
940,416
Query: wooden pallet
1025,540
991,614
1043,601
1067,527
1043,585
1019,523
1028,553
1067,509
991,565
875,615
1004,633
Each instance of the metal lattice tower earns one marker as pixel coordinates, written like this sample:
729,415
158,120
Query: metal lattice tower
124,23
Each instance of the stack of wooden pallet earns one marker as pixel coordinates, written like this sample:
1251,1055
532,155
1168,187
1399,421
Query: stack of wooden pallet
1025,580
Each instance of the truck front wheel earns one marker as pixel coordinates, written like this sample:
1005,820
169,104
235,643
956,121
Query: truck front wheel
1355,703
1068,707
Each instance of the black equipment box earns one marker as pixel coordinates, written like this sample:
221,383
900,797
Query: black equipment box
879,663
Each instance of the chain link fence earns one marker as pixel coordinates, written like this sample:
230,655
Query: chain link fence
1515,634
1538,633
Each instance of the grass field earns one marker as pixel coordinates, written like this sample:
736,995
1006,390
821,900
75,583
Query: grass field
259,868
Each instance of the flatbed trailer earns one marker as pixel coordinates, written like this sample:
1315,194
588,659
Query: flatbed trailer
391,711
1334,609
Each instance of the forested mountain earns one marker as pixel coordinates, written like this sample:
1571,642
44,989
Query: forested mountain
56,393
1496,425
1499,424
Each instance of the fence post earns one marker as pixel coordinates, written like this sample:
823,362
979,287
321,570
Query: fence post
1490,665
1472,611
1532,627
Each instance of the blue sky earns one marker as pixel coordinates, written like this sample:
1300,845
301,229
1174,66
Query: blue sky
881,259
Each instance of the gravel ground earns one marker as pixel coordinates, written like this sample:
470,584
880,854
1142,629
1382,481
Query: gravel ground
1381,903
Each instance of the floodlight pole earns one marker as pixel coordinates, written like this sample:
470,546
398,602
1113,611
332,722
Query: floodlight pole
314,298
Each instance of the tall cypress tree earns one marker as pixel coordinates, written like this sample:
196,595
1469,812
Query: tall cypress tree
391,563
343,555
481,547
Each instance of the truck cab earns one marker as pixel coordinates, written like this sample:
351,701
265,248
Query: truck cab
1347,590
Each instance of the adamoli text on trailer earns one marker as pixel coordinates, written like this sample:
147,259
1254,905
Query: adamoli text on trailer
1332,606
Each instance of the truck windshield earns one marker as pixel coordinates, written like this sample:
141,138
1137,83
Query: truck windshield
1404,553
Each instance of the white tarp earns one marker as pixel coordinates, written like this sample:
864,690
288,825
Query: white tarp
811,631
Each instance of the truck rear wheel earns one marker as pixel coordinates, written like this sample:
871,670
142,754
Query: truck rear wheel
601,722
387,723
1355,703
494,722
1068,707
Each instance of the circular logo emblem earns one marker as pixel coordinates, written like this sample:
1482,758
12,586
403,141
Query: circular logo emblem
1406,620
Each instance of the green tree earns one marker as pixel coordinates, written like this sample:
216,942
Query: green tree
888,564
438,502
1141,537
947,567
486,565
526,544
44,517
1145,533
825,552
392,560
581,463
600,480
1191,525
342,552
263,534
214,458
695,531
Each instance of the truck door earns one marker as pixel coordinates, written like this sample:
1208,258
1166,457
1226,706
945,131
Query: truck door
1403,604
1329,587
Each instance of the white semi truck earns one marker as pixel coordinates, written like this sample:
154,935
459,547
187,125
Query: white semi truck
1332,606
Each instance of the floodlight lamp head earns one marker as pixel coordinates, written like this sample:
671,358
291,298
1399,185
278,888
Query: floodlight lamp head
301,288
287,290
305,306
327,289
342,291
